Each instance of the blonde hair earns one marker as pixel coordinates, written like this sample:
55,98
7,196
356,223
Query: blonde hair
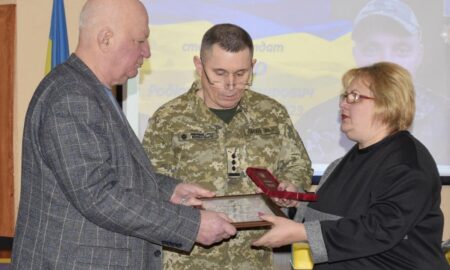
393,90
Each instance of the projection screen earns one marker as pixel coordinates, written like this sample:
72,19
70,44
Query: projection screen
302,49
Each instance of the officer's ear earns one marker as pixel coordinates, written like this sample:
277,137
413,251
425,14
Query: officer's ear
198,66
253,62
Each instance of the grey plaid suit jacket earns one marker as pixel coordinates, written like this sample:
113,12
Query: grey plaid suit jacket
89,197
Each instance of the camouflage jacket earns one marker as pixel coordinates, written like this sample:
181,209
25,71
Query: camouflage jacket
187,141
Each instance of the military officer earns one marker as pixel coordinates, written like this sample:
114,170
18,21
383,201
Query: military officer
212,133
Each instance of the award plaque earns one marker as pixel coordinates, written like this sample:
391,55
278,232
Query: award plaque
268,183
243,209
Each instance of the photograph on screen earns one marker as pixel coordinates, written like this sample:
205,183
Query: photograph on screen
302,50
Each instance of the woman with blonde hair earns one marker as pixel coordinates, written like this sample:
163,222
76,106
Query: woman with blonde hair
379,205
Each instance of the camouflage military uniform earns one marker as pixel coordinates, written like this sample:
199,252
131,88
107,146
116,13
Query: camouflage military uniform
186,140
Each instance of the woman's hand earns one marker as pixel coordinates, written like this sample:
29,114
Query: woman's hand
283,232
286,186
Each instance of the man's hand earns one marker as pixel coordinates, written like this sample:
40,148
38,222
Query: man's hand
284,231
188,194
214,227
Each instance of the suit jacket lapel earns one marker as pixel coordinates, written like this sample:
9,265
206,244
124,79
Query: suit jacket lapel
124,128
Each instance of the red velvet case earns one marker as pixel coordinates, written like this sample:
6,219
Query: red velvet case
268,183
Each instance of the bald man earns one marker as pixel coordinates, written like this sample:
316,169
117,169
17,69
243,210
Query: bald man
89,197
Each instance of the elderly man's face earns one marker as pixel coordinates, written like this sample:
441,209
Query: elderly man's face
132,47
223,76
403,50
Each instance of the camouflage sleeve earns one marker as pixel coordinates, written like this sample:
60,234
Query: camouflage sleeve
157,144
294,164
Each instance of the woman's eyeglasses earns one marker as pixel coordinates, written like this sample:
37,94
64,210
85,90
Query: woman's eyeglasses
353,97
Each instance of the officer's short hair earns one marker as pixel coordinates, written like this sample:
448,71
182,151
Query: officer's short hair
229,37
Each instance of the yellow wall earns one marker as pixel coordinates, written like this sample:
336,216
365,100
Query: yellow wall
6,2
33,26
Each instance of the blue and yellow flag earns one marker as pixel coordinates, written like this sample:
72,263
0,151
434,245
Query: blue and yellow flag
58,45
